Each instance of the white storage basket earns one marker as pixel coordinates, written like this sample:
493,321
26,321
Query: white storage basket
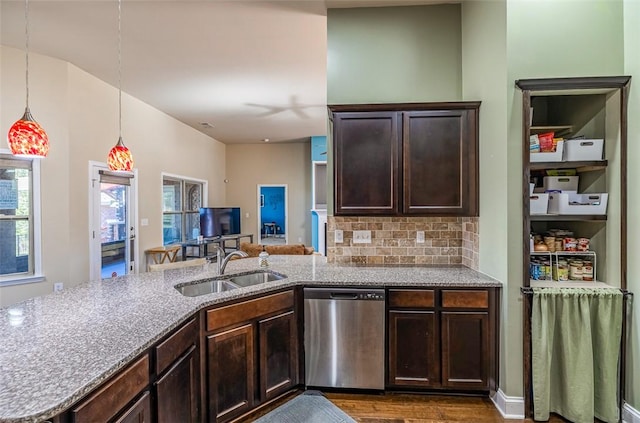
572,203
538,203
583,150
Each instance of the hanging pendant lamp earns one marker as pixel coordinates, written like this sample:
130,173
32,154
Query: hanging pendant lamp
26,137
120,157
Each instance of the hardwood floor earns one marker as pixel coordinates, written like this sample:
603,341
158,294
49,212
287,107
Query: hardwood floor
412,408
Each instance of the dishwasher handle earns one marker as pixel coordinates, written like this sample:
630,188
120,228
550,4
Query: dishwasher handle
343,296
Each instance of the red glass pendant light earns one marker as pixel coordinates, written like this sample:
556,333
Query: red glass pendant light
26,137
120,158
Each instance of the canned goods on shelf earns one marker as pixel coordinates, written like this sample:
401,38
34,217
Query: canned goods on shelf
582,244
587,270
575,270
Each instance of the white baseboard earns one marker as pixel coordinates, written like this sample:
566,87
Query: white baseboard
513,408
630,414
510,407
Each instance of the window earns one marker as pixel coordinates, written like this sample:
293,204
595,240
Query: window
19,223
181,202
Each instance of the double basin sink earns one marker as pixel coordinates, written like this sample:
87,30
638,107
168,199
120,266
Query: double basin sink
224,283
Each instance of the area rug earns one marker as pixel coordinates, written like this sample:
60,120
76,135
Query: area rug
308,407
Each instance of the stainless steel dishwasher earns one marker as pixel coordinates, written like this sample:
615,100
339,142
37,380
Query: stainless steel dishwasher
344,337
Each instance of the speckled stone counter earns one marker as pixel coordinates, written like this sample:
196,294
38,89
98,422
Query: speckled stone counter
57,348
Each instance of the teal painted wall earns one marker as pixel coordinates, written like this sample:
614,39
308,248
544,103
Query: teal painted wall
319,148
394,54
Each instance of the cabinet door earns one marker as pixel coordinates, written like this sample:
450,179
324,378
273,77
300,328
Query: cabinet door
231,367
278,355
465,349
366,163
140,412
440,162
178,390
413,354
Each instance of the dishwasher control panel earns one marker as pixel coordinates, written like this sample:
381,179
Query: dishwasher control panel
370,296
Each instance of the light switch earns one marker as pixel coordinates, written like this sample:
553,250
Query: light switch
144,222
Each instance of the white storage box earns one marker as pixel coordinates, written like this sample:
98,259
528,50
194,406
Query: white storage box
556,156
572,203
560,183
538,203
583,150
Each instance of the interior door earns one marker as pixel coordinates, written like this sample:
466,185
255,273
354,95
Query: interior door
112,223
272,214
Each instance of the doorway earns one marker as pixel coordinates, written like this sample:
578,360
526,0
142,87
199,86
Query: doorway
272,214
112,216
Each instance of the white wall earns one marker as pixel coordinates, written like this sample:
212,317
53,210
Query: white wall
80,115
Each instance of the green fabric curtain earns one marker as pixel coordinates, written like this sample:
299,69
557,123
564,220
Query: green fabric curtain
575,336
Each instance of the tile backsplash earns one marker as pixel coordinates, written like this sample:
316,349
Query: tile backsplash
447,240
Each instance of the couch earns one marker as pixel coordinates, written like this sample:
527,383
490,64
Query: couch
290,249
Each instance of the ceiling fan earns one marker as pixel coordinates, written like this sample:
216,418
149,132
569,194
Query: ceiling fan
293,106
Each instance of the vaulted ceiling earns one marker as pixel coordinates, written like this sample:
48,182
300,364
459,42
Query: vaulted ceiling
238,71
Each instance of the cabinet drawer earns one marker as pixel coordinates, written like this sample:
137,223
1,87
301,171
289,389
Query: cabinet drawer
412,298
104,404
175,345
248,310
465,299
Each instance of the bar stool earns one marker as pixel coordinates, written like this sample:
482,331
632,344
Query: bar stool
159,255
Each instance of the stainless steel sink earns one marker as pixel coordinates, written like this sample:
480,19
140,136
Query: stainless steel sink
227,283
206,287
255,278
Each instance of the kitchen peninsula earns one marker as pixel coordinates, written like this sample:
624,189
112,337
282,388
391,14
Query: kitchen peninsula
59,348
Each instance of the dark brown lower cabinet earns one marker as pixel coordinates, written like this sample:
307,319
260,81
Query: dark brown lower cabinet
111,400
414,358
465,349
442,339
278,354
178,390
139,412
231,372
252,354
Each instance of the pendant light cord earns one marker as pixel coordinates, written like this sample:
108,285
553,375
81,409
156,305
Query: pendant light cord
119,69
26,37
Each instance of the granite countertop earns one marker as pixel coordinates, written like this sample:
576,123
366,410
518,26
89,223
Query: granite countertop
57,348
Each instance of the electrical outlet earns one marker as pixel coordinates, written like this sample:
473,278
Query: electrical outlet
339,236
362,237
420,237
58,286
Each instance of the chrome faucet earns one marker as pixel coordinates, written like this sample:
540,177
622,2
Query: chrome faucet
222,260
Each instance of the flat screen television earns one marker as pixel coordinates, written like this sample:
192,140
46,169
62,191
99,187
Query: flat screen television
219,221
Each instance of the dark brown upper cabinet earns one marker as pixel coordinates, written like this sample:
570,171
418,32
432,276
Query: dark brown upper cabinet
415,159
